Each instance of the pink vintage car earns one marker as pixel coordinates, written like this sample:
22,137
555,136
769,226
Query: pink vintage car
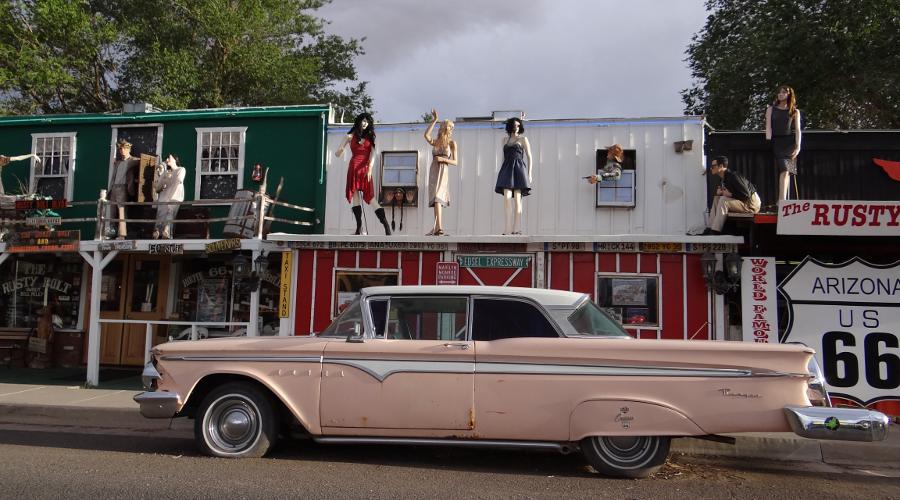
490,366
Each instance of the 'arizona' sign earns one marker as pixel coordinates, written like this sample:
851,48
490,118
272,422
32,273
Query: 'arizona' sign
850,314
839,217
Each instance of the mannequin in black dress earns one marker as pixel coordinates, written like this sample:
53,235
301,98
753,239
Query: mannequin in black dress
783,130
514,178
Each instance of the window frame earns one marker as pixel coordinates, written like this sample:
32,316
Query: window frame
659,299
242,151
355,271
541,309
383,189
73,157
468,321
629,163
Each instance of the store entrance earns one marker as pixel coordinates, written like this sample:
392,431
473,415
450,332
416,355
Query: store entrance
133,287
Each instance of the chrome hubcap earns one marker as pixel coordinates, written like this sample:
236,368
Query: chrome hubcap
232,424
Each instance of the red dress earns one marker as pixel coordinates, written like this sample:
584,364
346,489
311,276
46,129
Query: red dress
358,170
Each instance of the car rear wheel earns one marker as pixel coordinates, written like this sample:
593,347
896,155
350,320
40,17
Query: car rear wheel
626,456
236,420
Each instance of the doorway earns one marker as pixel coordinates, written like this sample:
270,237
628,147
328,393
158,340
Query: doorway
133,287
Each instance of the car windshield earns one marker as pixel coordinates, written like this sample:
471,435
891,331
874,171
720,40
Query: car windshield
350,322
589,319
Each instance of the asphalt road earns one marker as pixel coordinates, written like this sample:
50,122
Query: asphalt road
47,462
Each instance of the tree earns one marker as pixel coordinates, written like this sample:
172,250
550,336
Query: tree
56,56
195,54
842,57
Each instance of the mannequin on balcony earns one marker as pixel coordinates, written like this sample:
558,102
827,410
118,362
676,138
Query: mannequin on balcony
360,187
123,187
514,178
169,186
443,153
783,130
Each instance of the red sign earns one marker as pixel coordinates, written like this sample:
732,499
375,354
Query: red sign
41,204
839,217
447,273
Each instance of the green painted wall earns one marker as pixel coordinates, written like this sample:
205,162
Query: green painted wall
289,141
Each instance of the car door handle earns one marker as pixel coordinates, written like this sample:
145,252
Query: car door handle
461,346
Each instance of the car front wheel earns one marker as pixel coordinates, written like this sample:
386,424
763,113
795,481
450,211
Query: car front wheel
236,420
626,456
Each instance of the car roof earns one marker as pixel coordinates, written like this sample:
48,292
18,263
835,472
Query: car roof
542,296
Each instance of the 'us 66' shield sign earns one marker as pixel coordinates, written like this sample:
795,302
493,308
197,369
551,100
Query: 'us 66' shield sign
850,314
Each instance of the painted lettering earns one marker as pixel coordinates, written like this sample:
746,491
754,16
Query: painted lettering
859,215
821,215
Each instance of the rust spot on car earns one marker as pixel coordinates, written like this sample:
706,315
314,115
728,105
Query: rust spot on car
471,418
365,420
497,412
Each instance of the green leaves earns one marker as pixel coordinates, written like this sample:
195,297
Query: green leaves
841,56
92,55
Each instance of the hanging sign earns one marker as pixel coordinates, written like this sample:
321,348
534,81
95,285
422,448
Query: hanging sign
284,290
165,248
839,218
223,245
43,221
849,314
116,245
508,261
41,204
44,241
447,273
759,312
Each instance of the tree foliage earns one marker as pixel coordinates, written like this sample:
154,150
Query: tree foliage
842,57
93,55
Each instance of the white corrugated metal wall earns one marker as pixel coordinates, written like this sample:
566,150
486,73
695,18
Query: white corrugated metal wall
670,188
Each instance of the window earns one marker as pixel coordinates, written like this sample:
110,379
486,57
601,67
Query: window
399,177
631,299
619,193
347,284
220,162
350,322
427,318
495,319
590,320
54,175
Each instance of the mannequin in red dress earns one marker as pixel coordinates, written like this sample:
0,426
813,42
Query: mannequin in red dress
361,139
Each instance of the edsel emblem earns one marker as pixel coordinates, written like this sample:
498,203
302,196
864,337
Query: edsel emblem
728,393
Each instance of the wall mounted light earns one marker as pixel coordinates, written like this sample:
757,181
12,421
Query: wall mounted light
725,281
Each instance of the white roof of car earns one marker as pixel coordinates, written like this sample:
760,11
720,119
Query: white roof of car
542,296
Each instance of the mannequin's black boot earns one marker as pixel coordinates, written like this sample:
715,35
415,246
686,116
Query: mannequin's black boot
357,213
387,227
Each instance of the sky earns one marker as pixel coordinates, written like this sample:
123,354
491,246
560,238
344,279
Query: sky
548,58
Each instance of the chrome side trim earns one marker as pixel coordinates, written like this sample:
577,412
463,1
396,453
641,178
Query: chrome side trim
381,369
620,371
158,404
844,424
262,359
471,443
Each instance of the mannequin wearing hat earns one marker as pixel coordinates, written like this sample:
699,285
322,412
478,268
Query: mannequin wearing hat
612,171
123,185
169,187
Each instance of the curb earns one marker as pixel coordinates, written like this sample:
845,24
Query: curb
93,419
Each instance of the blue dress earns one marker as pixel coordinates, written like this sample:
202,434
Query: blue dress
513,173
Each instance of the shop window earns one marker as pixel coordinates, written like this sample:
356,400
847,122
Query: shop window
632,299
30,286
399,178
53,176
220,162
348,283
621,192
496,319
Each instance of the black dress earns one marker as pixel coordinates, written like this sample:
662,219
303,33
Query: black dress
783,140
513,174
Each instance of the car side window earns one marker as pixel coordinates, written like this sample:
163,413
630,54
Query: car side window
495,319
378,308
427,318
350,322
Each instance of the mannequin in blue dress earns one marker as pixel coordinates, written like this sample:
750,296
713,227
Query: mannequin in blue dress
514,178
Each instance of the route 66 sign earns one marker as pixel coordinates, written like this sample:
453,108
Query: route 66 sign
850,314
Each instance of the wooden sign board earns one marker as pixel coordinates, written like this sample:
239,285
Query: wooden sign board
284,290
165,249
116,245
43,221
44,241
224,245
41,204
146,178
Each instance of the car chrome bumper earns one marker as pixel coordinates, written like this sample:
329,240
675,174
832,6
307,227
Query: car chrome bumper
158,404
845,424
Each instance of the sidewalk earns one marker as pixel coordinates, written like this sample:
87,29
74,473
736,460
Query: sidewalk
112,410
